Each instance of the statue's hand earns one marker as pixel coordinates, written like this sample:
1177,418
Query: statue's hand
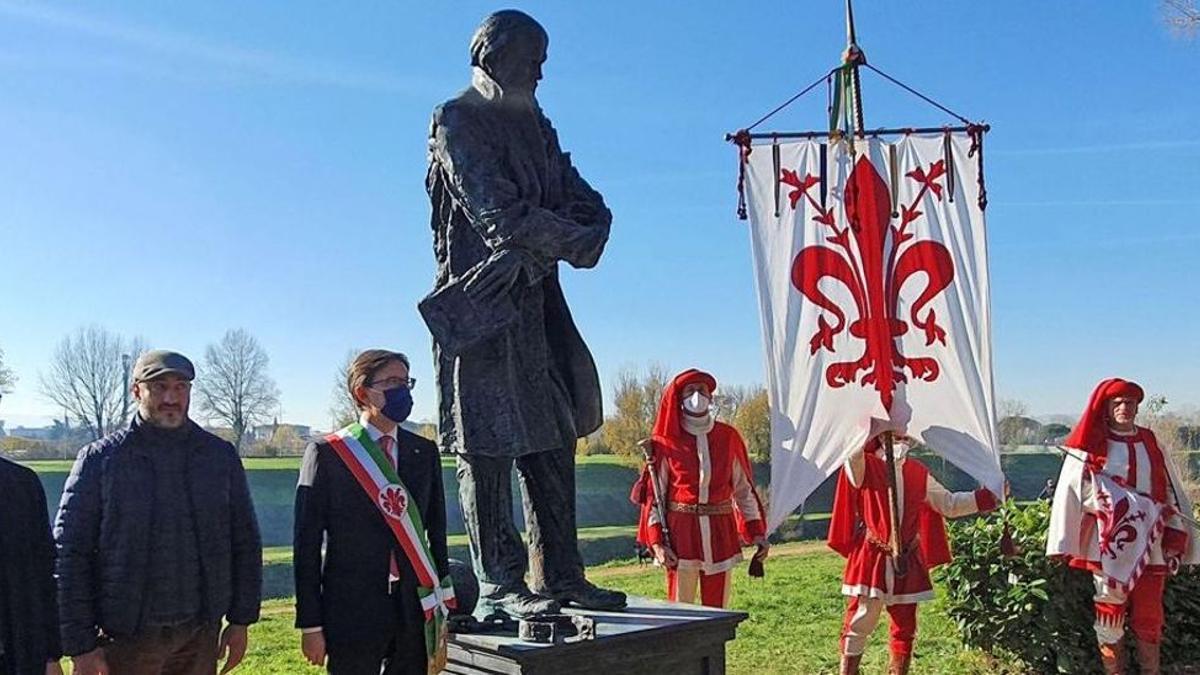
495,277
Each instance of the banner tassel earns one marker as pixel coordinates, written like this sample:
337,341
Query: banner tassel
742,140
778,171
948,154
824,175
976,132
894,172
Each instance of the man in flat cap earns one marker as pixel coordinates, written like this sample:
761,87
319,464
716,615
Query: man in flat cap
516,383
158,544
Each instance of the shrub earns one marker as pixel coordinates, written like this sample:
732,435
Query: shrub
1037,610
592,445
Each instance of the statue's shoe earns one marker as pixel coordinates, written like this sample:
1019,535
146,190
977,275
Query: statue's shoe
585,594
518,604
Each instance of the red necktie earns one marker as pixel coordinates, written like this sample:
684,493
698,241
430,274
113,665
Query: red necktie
387,444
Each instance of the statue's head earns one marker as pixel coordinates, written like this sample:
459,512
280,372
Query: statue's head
510,46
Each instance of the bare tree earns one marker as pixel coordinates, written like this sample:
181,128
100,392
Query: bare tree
7,379
86,378
1182,16
1167,425
133,349
342,410
729,400
1012,407
234,386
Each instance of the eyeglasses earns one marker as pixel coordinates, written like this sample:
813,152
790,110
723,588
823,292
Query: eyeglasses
393,382
159,387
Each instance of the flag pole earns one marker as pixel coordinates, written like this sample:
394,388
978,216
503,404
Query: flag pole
893,500
853,58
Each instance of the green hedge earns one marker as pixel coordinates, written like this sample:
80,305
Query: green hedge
1040,611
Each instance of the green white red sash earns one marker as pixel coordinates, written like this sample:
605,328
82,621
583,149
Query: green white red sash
376,475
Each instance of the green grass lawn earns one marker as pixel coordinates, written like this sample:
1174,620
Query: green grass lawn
795,619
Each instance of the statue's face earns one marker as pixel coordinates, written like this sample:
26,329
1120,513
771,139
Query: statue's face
518,68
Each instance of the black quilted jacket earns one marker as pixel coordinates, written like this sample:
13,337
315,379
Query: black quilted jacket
104,535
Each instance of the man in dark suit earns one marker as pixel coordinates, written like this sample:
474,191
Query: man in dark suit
29,642
358,603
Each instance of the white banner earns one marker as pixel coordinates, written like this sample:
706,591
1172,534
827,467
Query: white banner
880,307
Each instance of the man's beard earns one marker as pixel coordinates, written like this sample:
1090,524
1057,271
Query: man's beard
167,419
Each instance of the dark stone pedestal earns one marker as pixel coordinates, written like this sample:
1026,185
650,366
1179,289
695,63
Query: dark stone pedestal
649,637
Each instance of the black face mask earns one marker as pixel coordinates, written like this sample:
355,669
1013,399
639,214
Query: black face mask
397,404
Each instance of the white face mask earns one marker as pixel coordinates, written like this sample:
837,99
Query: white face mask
696,404
900,450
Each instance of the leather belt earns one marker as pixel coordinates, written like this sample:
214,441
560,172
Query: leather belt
879,543
717,509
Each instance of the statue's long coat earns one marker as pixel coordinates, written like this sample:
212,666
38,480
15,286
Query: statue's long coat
498,181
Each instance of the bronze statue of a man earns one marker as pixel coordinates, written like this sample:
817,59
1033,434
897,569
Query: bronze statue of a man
516,383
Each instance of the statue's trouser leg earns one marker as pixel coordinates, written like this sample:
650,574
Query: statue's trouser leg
497,552
548,483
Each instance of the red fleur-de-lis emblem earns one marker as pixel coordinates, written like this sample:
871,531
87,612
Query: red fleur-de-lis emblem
1117,525
873,258
393,501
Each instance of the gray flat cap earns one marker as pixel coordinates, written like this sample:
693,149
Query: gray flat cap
159,362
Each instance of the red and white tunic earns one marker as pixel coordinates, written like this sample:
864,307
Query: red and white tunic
860,527
707,466
1137,460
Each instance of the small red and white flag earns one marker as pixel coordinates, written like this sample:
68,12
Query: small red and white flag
1129,524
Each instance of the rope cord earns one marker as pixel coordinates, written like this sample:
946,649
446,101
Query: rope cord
918,94
790,101
827,77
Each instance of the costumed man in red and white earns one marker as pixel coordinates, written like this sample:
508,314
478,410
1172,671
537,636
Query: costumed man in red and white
860,530
711,507
1116,513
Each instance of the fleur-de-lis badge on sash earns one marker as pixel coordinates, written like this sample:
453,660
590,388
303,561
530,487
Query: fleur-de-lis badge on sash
393,501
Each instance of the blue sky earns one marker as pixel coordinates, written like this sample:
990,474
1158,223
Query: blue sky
173,171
